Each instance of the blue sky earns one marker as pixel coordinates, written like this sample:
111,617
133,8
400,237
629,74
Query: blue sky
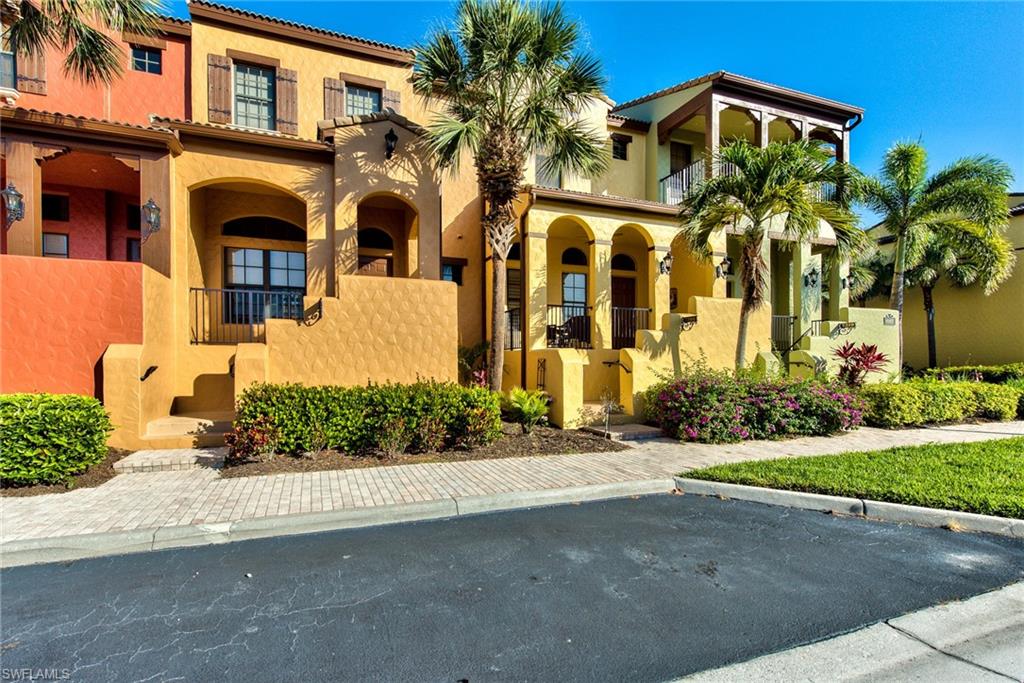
951,74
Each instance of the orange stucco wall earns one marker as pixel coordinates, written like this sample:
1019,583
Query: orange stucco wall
131,98
58,316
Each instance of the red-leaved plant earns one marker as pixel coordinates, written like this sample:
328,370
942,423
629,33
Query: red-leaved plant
858,362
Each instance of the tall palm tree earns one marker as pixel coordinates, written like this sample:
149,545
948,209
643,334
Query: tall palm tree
779,182
509,79
968,192
961,253
80,29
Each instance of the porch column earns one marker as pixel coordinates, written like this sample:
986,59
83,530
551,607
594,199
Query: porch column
25,238
658,286
600,294
761,127
766,254
155,184
719,251
712,133
806,295
843,147
838,294
534,251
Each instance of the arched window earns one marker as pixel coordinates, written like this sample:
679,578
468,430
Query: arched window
623,262
264,227
573,257
375,238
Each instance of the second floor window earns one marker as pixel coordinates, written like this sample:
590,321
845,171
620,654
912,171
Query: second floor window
254,96
545,177
146,59
56,207
360,101
55,245
620,149
7,70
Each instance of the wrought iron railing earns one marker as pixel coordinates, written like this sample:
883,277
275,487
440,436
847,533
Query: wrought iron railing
674,187
513,329
825,192
236,316
625,322
8,78
568,326
782,332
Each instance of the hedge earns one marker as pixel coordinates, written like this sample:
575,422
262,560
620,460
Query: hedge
423,416
996,374
918,402
48,438
1018,384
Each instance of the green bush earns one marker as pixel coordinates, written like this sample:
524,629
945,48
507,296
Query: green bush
528,408
996,374
1018,386
48,438
918,402
388,418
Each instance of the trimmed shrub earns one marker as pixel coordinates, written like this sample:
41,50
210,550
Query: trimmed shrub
918,402
48,438
718,407
996,374
1018,386
384,418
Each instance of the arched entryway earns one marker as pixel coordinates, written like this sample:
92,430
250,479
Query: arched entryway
387,237
570,285
631,280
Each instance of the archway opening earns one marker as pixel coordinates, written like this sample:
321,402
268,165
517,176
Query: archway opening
387,237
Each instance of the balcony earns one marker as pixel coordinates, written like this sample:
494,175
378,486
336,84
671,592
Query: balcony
675,186
568,326
238,316
625,323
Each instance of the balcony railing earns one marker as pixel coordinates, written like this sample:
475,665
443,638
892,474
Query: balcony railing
675,186
568,326
782,332
625,323
513,329
237,316
825,192
8,79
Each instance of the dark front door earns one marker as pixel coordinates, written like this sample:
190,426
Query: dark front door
624,313
680,156
380,266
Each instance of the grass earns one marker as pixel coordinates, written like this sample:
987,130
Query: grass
986,477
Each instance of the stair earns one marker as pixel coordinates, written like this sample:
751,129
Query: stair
593,414
171,460
626,432
193,429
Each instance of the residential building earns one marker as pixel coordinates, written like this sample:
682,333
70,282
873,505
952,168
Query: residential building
292,228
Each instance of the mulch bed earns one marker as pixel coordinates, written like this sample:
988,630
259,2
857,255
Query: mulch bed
514,444
99,473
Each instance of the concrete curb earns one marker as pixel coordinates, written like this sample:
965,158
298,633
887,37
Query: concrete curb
872,509
65,548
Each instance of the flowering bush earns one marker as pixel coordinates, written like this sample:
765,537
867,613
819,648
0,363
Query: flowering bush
718,407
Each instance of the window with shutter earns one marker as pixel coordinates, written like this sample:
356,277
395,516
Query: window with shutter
334,98
219,88
31,73
287,101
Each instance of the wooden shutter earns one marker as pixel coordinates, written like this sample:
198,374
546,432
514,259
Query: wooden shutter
219,90
392,99
287,101
334,98
31,72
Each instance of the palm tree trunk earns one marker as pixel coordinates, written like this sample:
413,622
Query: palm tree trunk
752,276
929,309
741,336
896,294
496,354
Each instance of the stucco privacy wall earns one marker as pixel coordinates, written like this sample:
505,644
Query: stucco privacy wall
712,339
57,317
878,326
378,329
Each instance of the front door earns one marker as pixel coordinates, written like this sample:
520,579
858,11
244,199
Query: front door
379,266
624,313
680,156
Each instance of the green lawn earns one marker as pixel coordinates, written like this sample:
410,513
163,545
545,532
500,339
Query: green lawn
985,477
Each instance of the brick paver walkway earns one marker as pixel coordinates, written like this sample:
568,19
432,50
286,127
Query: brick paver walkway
149,500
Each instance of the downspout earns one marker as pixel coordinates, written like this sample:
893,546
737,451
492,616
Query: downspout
847,127
523,265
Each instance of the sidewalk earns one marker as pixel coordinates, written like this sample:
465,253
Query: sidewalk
196,506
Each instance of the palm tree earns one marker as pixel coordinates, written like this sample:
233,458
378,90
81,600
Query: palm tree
80,29
960,252
508,79
779,182
968,192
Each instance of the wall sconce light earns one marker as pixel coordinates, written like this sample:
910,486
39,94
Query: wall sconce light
723,269
14,203
844,283
665,265
390,142
151,217
811,278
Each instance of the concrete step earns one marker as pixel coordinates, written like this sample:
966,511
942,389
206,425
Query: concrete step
190,429
171,459
626,432
593,413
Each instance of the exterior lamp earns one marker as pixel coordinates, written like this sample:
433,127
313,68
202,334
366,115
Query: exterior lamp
14,203
724,268
665,266
151,217
390,142
811,278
